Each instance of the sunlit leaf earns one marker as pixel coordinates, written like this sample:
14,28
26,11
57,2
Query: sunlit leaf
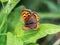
33,35
13,40
2,39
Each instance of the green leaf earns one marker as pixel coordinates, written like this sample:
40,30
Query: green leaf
13,40
2,39
13,22
33,35
14,18
3,29
15,15
51,28
31,44
18,30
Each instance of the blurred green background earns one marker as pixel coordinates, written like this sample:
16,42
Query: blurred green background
48,10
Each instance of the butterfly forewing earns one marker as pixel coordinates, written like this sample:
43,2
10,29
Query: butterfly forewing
25,15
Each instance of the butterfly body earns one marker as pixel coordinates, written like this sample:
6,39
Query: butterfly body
30,19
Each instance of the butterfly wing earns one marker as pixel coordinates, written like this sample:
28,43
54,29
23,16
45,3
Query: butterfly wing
25,15
31,23
30,19
37,19
36,15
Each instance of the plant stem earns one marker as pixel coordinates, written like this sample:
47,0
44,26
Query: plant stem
6,11
2,4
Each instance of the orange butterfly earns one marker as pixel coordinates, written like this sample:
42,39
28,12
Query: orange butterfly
31,19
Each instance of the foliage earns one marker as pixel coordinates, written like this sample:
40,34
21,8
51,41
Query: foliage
11,25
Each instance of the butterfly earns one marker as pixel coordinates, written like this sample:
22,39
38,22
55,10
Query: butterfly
31,19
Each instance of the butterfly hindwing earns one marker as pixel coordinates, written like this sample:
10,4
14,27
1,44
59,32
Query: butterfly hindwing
37,17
